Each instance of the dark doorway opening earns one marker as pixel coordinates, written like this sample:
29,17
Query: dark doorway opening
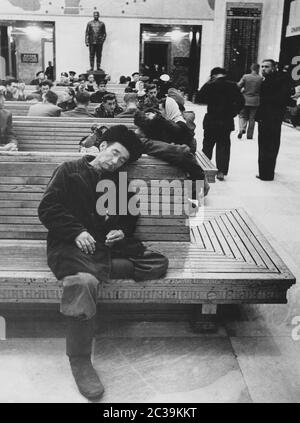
8,50
172,49
156,53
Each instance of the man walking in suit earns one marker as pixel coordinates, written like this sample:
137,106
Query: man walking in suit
274,98
251,85
224,101
95,36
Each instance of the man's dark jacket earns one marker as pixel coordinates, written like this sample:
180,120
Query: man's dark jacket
68,208
79,112
224,101
6,132
274,97
97,97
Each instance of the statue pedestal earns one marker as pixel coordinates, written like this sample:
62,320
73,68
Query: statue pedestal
99,75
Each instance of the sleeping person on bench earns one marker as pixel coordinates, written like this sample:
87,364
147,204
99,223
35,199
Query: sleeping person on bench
166,140
85,248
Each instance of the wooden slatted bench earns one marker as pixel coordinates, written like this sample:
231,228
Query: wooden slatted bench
221,259
63,134
20,108
57,134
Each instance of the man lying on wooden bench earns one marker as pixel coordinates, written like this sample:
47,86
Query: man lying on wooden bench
84,247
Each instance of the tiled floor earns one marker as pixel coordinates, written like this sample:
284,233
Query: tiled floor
252,357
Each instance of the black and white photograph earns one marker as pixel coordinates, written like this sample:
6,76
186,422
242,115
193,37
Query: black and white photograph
149,204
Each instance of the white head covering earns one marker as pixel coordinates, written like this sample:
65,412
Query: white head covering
165,77
172,111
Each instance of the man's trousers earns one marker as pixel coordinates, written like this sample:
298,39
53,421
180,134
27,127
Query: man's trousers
219,136
80,293
95,50
247,118
269,133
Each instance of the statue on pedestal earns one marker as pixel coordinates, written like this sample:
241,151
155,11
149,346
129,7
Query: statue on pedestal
95,36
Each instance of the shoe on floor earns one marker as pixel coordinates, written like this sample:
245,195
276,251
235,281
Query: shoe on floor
264,179
86,378
220,176
240,135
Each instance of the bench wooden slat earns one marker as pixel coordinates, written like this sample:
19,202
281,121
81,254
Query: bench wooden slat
19,190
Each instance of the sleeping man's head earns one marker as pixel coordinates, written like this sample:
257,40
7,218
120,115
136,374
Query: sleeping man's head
118,146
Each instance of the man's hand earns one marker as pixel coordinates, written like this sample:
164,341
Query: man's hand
114,236
86,243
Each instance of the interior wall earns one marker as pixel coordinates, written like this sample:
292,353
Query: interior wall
121,49
270,33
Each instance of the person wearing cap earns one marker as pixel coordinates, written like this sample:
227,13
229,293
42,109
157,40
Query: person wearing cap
72,77
64,80
40,77
224,101
82,100
131,105
135,79
163,86
8,141
87,247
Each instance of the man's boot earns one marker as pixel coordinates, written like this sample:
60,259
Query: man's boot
79,339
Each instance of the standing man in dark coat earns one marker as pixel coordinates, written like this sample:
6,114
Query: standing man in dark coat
95,36
86,247
224,101
274,97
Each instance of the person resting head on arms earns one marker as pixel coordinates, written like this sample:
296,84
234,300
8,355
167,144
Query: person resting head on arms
168,125
90,144
47,108
131,105
67,100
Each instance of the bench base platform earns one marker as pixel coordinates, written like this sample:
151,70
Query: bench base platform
228,261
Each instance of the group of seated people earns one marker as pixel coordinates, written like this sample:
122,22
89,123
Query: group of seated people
166,132
157,119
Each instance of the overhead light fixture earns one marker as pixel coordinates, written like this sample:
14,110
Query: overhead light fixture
176,34
33,32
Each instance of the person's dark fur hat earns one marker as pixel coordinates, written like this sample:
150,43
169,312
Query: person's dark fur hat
127,138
